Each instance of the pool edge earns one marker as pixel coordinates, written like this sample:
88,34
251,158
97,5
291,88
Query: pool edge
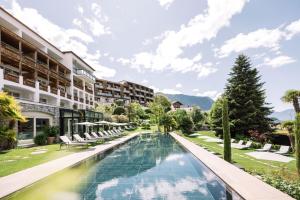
244,184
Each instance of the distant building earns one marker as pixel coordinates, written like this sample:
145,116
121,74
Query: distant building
176,105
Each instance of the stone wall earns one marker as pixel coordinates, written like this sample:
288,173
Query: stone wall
54,111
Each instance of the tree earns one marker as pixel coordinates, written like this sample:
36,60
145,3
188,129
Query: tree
119,111
289,126
297,142
159,107
168,121
134,111
246,99
186,124
226,131
197,116
292,96
119,102
215,117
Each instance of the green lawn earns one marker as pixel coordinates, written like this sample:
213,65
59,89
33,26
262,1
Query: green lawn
249,163
18,159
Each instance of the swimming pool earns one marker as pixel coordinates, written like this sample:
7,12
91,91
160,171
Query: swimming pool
150,166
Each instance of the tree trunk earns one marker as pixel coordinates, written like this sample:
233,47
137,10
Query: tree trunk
297,142
226,131
296,105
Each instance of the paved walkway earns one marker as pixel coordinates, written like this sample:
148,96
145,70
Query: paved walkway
19,180
246,185
270,156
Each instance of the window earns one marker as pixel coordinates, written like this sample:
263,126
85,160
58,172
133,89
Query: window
25,129
40,125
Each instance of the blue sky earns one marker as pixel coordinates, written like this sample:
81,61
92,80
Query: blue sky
175,46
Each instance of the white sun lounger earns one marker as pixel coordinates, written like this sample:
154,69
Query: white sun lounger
66,141
283,150
267,147
246,146
80,139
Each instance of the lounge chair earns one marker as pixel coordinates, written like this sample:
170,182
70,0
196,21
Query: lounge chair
267,147
98,137
246,146
283,150
66,141
89,137
80,139
103,135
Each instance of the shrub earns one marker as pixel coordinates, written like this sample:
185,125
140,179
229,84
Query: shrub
7,138
119,111
186,124
259,137
145,126
51,131
291,188
40,139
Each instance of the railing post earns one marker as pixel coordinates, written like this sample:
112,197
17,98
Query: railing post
37,92
21,80
1,79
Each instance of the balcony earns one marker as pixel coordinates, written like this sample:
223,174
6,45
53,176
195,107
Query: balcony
81,100
43,87
42,67
76,98
91,103
28,61
87,101
62,93
78,85
10,51
11,77
53,90
29,82
86,74
89,90
69,96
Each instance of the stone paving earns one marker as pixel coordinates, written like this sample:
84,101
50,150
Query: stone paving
246,185
19,180
270,156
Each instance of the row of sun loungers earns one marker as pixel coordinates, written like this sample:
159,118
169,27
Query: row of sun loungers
90,138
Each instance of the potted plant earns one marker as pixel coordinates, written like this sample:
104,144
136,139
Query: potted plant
51,132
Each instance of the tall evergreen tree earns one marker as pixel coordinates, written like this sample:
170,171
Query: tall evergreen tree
246,99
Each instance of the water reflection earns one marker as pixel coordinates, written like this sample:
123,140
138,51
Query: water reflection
152,166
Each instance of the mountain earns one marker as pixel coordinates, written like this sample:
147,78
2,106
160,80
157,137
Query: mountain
204,103
284,115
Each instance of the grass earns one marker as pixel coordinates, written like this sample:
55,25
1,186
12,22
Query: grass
288,170
18,159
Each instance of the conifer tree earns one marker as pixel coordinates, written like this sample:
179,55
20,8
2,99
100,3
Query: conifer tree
246,99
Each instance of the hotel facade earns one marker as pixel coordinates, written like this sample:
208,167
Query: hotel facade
53,87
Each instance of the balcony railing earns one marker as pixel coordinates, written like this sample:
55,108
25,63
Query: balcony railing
10,51
28,61
43,87
85,73
62,94
81,100
53,90
11,77
29,82
76,98
78,85
69,96
42,68
91,103
89,90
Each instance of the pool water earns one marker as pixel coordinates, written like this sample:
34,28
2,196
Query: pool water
150,166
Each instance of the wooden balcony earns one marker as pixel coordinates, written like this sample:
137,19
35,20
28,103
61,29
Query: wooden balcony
89,90
78,85
81,100
29,82
69,96
53,90
44,87
42,68
76,98
62,94
9,51
91,103
28,62
11,77
87,101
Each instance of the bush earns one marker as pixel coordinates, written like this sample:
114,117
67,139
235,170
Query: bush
7,138
259,137
145,126
186,124
291,188
51,131
119,111
40,139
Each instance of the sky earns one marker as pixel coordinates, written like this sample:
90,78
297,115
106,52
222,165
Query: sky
175,46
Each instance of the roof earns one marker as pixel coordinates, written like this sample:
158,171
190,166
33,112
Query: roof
177,102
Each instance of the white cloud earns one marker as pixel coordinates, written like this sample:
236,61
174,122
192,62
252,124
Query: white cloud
145,81
96,27
178,85
261,38
169,53
77,22
65,39
211,93
278,61
170,91
165,3
195,90
80,9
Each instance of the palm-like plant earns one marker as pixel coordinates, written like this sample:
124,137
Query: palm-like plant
289,126
292,96
10,109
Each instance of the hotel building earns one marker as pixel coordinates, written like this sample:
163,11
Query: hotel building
107,92
53,87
